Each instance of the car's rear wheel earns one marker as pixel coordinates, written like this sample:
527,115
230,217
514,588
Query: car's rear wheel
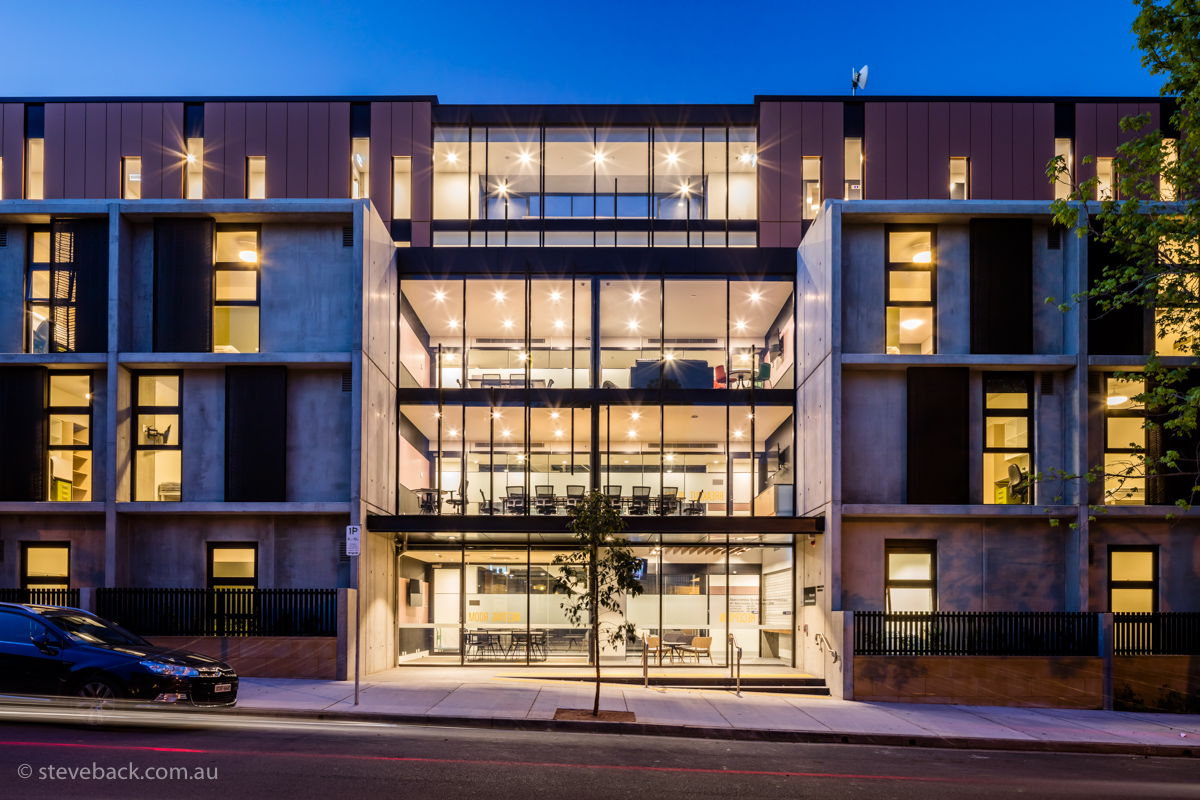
98,696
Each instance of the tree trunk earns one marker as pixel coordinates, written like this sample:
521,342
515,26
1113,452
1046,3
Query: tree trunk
595,570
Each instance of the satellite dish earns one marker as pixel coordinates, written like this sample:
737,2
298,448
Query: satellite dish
858,79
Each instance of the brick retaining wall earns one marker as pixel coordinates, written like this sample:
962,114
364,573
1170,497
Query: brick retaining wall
1043,682
1157,683
265,656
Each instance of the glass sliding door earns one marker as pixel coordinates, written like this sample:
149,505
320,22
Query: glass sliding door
429,587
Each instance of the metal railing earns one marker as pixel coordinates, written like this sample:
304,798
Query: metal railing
41,597
1158,634
221,612
967,633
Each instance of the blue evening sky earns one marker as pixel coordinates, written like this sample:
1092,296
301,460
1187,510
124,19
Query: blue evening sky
613,51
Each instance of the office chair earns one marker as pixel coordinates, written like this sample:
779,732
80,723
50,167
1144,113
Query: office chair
640,504
1018,487
720,379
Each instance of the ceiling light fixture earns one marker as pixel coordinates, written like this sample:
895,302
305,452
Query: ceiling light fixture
923,257
453,324
495,415
452,158
191,159
508,323
635,296
553,415
741,326
672,158
755,297
524,158
1117,399
453,432
440,296
636,415
555,296
499,296
912,324
559,324
506,433
249,256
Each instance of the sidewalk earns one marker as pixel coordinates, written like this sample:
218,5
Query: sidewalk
497,699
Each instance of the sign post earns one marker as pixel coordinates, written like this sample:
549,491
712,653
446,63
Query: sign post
353,544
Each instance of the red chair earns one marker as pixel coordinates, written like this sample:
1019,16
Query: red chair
719,379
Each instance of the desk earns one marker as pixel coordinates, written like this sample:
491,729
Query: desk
428,499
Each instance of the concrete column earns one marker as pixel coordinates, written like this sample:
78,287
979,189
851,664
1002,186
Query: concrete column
1106,653
347,631
839,655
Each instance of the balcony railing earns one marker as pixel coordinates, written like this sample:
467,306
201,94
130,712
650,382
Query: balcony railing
1159,634
221,612
952,633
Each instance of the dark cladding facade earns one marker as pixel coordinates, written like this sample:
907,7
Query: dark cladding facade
799,341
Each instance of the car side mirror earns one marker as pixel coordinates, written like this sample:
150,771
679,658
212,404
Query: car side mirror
47,645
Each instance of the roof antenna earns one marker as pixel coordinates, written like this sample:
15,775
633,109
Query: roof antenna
858,79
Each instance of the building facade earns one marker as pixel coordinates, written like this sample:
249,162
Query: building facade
802,342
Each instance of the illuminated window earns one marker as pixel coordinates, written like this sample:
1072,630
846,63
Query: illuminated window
360,168
402,188
1007,437
157,467
193,170
35,152
69,436
131,178
1124,439
854,169
911,292
959,183
37,291
1132,579
1106,188
1170,159
1062,187
812,187
911,581
232,565
236,290
256,177
45,565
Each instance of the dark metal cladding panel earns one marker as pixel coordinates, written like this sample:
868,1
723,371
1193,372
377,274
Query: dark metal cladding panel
833,152
960,131
938,435
768,161
75,151
1002,151
875,152
318,149
1043,150
939,150
79,285
339,150
96,131
54,152
297,150
1002,286
256,129
791,161
214,151
381,168
1085,140
897,151
1023,168
277,150
1108,130
255,434
13,151
918,151
112,151
131,130
152,151
23,434
402,130
981,151
235,150
422,179
1129,110
183,280
174,151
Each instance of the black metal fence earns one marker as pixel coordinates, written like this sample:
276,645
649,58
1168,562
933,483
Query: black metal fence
968,633
41,597
221,612
1161,634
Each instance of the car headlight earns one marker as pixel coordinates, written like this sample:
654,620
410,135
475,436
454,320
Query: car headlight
174,670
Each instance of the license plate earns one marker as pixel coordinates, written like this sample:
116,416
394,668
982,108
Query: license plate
223,687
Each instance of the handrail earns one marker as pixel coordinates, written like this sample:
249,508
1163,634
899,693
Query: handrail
823,644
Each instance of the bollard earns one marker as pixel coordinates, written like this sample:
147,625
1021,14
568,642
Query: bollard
645,664
729,655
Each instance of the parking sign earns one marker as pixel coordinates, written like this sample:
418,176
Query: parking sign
352,539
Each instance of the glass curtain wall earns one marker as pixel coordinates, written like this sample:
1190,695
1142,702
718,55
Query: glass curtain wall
502,186
502,604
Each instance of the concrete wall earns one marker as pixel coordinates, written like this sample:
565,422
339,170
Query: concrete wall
12,288
863,292
1178,558
1051,682
85,532
307,303
318,437
874,436
982,564
202,434
170,550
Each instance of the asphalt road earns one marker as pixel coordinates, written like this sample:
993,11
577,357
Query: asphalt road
297,759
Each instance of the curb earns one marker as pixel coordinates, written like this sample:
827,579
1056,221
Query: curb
727,734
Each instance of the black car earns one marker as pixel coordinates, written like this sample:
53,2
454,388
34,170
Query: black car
48,650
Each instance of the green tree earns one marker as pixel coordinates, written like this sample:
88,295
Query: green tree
599,574
1152,226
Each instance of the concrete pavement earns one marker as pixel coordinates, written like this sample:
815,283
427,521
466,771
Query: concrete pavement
498,699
